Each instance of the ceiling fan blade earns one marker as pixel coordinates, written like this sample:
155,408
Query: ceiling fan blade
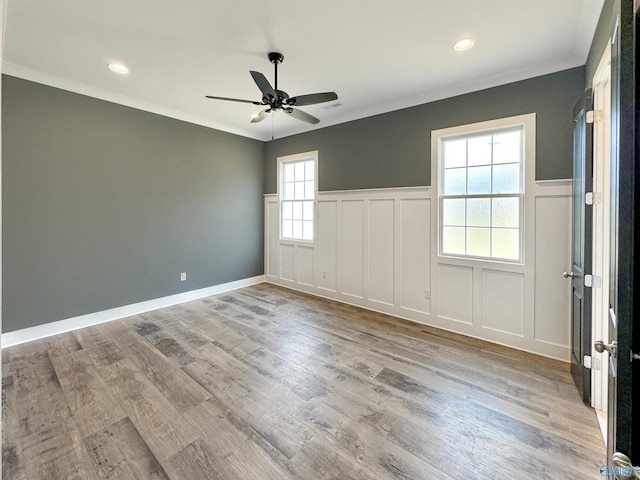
261,116
234,100
300,115
263,84
312,99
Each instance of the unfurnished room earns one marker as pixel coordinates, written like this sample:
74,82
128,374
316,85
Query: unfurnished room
303,239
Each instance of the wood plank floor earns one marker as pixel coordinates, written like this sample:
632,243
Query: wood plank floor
267,383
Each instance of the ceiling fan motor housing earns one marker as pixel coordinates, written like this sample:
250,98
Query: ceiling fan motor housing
275,57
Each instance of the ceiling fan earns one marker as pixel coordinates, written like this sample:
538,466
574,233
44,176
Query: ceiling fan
279,100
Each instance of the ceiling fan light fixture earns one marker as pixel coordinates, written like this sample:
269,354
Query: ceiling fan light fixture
118,68
463,44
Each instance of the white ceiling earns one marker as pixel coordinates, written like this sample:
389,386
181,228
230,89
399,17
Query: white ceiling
378,55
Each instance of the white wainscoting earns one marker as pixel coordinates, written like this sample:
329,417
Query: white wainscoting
376,249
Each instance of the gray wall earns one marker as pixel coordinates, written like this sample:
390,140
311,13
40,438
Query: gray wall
394,149
105,205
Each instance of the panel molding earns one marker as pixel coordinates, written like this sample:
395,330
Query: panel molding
271,228
561,182
352,246
496,314
304,261
381,255
552,213
450,298
287,263
413,253
327,257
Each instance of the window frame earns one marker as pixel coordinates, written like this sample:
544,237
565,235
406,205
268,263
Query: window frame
282,161
527,164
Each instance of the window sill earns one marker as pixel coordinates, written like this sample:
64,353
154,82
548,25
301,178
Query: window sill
301,243
504,265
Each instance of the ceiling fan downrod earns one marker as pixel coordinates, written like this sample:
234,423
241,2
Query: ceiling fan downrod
275,58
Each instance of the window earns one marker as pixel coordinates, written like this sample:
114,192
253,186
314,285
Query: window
297,190
481,194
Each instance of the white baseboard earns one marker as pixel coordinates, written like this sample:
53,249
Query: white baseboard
54,328
554,352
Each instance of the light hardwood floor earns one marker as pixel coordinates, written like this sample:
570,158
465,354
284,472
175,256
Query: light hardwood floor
266,383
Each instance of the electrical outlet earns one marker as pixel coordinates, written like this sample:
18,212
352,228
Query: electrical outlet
324,274
183,276
427,294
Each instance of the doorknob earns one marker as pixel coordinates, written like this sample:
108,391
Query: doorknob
623,469
600,347
568,275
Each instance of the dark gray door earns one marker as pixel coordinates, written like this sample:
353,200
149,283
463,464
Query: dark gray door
623,432
581,252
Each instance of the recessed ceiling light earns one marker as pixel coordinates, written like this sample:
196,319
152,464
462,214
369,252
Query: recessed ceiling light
464,44
118,68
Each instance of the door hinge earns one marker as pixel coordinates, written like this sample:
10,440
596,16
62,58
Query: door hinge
588,280
586,361
588,198
595,116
